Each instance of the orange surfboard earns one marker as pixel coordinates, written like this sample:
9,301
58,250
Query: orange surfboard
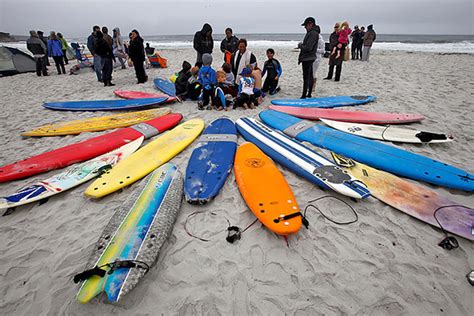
266,191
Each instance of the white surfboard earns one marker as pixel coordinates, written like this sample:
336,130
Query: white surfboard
389,133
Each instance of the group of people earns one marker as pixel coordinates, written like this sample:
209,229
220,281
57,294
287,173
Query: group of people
362,42
42,48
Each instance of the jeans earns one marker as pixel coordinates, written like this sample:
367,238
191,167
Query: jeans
366,53
41,66
98,67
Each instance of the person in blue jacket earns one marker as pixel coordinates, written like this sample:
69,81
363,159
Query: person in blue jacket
272,69
208,80
55,50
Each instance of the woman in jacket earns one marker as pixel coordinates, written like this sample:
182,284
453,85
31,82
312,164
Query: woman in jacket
55,50
64,47
103,49
203,43
307,55
136,52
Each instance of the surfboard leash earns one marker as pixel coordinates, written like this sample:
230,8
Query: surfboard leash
325,216
117,264
449,242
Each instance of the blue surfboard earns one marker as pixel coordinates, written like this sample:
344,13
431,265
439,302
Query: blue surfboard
326,102
103,105
300,159
372,153
210,162
165,86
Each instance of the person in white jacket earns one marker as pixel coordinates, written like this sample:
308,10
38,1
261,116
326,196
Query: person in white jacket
319,55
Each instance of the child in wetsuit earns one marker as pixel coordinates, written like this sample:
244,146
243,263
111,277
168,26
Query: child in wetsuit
272,69
207,78
181,83
193,86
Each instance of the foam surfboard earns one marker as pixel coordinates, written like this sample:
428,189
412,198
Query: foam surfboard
86,149
326,102
221,96
135,234
210,162
146,159
103,105
266,191
300,159
412,199
70,178
129,94
349,116
96,124
370,152
165,86
389,133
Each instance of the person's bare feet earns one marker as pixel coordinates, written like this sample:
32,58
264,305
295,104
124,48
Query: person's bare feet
252,106
228,108
219,108
245,106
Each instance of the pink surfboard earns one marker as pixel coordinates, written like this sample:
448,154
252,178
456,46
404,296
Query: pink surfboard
349,116
129,94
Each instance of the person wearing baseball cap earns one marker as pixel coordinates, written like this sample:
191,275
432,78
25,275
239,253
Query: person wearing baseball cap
307,55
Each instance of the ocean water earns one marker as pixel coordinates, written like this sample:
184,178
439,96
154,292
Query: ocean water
398,42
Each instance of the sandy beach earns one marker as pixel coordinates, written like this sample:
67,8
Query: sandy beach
387,263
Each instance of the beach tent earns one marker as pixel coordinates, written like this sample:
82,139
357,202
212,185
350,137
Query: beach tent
13,61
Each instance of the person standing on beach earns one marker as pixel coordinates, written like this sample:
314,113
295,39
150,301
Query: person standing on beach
136,52
38,49
333,61
118,47
91,46
368,39
104,50
64,47
108,39
307,55
55,50
45,41
361,43
356,38
241,59
203,43
319,56
229,44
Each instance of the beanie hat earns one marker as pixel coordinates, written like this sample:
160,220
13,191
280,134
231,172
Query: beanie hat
207,59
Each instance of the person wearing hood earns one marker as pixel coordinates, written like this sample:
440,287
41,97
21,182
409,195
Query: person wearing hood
38,49
45,41
118,48
91,46
107,37
203,43
136,52
64,47
356,38
104,50
369,38
229,44
307,55
55,50
181,82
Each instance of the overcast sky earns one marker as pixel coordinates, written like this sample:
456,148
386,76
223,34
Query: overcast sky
158,17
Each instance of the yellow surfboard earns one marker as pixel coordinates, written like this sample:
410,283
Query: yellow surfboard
146,159
96,124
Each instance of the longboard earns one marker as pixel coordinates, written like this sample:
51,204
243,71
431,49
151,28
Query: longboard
389,133
266,191
129,94
146,159
210,162
413,199
70,178
326,102
86,149
103,105
96,124
370,152
136,232
300,159
165,86
349,116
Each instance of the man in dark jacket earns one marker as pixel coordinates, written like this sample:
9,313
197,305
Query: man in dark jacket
307,55
333,61
38,49
91,46
45,41
356,38
229,43
203,43
104,50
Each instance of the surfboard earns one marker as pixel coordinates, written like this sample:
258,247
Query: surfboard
370,152
221,97
165,86
349,116
86,149
389,133
103,105
96,124
135,234
70,178
326,102
210,162
266,191
128,94
300,159
412,199
146,159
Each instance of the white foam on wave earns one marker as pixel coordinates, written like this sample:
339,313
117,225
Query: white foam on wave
459,47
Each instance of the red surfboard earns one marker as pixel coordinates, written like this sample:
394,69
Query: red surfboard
349,116
87,149
128,94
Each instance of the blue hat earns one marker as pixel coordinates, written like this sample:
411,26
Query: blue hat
246,71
